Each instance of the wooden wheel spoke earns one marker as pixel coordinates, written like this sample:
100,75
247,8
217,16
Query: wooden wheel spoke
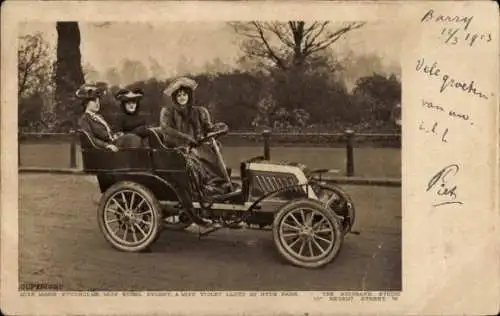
133,233
322,231
323,239
295,220
318,224
302,245
295,228
143,213
138,207
302,216
294,242
144,222
309,219
113,211
292,234
118,204
124,198
311,252
318,245
125,234
113,220
132,200
140,229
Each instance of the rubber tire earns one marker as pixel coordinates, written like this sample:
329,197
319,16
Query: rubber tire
312,204
150,198
346,228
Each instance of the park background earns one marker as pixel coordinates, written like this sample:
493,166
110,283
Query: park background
306,82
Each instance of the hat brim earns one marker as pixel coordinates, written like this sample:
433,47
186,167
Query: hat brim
180,83
129,96
88,94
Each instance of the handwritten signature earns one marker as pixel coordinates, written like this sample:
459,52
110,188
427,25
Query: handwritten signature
441,184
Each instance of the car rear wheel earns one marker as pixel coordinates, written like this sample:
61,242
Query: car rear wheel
129,216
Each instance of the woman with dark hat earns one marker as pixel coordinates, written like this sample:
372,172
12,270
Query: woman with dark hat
183,123
132,122
96,126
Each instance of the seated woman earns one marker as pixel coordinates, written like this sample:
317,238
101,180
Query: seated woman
132,122
184,123
96,126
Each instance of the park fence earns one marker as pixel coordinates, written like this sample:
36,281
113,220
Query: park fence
348,140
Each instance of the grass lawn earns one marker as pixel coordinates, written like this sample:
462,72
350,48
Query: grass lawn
368,162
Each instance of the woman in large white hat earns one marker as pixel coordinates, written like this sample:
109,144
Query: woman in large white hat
184,122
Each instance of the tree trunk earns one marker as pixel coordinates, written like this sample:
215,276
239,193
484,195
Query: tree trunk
69,74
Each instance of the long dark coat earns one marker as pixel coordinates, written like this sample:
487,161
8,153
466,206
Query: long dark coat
181,126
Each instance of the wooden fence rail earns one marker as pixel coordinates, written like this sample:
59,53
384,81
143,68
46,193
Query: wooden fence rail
349,138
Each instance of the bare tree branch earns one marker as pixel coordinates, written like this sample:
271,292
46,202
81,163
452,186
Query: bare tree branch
281,33
333,37
311,37
312,27
271,53
33,64
298,40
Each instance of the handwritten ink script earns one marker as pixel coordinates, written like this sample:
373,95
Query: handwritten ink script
435,129
429,105
438,127
442,185
432,70
456,29
446,83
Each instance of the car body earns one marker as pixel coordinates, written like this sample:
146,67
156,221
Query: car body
303,211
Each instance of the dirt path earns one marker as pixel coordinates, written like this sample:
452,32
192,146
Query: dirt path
60,242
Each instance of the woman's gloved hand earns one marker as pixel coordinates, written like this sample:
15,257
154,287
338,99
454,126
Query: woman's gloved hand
219,126
117,135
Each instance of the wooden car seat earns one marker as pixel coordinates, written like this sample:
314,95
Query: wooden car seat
156,139
164,157
96,159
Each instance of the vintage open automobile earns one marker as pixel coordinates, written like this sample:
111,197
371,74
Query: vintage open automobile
149,190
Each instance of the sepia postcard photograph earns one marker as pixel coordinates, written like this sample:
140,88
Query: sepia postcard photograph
283,107
242,160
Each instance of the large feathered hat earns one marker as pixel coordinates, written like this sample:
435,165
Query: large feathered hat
126,94
89,91
182,82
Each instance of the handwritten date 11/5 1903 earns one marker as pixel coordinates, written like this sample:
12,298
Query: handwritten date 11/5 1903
443,186
454,36
434,129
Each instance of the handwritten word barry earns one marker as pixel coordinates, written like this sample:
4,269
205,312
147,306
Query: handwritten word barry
443,186
432,70
456,28
431,16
